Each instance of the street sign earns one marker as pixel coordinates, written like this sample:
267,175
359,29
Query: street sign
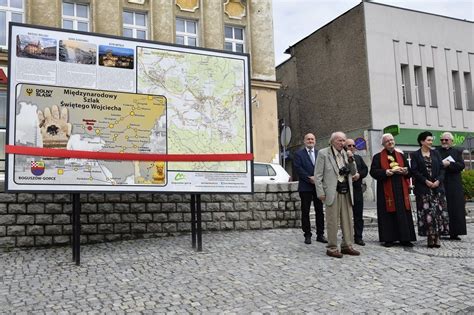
285,136
360,144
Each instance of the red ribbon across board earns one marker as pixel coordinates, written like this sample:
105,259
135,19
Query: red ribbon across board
62,153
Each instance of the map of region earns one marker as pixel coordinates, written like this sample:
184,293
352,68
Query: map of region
89,120
205,104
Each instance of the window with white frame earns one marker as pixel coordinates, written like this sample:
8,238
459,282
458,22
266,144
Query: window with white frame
469,94
186,32
234,39
135,25
456,90
10,11
76,16
419,90
406,89
431,87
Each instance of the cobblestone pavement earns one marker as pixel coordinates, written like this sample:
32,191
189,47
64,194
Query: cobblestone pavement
270,271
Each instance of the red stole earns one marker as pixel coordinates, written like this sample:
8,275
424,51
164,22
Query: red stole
387,184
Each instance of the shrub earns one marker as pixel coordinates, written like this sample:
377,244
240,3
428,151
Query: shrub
468,184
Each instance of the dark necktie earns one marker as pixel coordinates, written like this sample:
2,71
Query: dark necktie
311,156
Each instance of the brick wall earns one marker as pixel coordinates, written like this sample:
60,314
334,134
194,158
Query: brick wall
28,220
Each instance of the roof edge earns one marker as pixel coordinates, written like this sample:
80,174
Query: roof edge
288,50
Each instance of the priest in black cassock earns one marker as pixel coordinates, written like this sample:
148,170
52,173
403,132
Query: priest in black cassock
453,165
394,217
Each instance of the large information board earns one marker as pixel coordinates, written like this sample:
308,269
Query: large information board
79,92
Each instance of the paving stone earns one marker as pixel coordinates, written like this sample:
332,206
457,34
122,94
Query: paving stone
238,272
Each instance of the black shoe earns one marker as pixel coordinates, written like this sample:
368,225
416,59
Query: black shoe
321,239
387,244
454,238
359,241
307,239
407,244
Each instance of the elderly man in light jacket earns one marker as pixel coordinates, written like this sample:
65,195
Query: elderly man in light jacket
333,179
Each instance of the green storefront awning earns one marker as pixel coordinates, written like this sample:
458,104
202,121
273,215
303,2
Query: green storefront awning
408,136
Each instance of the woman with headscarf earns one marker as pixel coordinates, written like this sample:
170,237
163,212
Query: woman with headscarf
428,172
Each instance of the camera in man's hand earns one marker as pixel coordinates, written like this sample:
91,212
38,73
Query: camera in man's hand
344,171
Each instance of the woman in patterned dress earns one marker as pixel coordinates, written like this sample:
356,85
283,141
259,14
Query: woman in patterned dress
428,172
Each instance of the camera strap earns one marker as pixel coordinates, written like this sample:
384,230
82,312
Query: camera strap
335,158
340,178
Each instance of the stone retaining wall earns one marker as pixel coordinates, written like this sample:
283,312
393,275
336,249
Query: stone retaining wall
28,220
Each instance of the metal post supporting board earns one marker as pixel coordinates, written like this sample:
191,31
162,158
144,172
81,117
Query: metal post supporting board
76,228
73,237
196,229
198,221
193,219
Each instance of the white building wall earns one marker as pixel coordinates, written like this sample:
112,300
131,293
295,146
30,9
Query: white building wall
397,36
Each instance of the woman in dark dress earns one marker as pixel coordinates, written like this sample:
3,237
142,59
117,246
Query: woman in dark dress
428,172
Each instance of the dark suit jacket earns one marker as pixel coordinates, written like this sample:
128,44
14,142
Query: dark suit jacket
304,168
362,169
420,173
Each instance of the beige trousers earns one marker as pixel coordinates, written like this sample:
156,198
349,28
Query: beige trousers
339,211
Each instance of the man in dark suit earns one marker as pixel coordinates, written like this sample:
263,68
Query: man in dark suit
453,164
304,165
358,207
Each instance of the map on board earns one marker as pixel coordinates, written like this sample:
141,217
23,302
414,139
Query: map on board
89,92
205,104
89,120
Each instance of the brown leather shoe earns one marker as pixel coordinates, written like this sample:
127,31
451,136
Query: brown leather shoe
334,253
350,251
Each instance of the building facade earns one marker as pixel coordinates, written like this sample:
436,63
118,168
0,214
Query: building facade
233,25
377,66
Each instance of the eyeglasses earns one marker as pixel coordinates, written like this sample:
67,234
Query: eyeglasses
443,140
351,145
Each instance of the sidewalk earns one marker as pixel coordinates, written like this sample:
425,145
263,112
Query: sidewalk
246,272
